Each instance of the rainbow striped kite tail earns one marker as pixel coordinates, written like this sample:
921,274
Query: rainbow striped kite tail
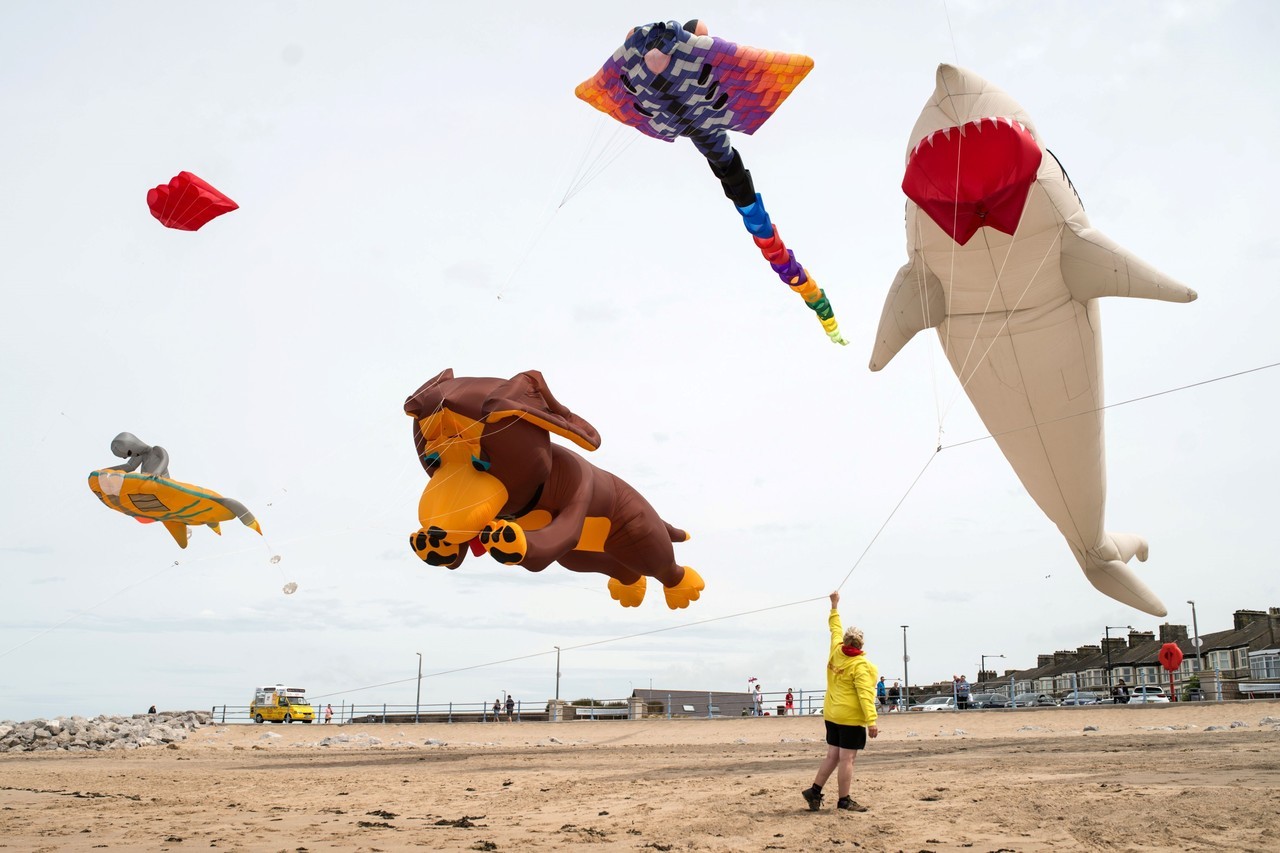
784,263
726,164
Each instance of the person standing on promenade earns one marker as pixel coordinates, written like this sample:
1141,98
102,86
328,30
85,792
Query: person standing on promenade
849,711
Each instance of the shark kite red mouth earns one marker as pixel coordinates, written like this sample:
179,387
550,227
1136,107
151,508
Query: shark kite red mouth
973,175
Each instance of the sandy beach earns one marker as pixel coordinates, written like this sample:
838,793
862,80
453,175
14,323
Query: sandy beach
1148,778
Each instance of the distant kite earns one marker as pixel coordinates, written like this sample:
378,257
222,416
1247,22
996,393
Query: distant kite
669,81
499,485
1005,264
186,203
150,495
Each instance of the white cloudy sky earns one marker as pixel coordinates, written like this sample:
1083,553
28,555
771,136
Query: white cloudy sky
399,167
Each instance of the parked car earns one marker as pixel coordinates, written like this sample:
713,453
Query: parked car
1147,693
1027,700
1085,697
937,703
989,700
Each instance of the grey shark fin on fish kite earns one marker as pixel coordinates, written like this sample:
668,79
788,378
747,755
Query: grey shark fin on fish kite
668,80
141,489
1004,264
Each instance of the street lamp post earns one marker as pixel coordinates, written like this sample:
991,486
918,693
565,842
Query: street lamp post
557,674
906,679
982,666
1107,632
417,702
1195,628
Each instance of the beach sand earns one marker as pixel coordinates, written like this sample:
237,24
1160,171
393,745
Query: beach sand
1149,778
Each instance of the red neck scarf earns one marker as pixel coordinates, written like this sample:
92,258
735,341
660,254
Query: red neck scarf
850,651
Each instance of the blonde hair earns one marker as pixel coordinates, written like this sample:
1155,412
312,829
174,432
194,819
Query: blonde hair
853,637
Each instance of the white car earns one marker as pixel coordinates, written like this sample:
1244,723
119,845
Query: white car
937,703
1142,694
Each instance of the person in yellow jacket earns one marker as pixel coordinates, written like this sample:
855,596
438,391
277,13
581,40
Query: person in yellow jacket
849,711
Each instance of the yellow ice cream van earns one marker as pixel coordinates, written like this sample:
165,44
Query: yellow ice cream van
281,704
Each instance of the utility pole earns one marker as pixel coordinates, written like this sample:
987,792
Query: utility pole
557,674
906,679
417,703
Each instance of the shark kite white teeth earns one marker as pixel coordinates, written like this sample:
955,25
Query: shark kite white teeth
1003,262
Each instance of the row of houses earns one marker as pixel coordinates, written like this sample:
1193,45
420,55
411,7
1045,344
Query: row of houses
1242,662
1238,663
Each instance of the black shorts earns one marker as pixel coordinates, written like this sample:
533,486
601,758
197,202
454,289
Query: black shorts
846,737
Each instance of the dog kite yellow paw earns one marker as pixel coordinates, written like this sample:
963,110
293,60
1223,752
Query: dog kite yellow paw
689,589
431,548
505,541
627,594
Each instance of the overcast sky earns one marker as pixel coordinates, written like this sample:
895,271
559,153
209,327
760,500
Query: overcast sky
399,169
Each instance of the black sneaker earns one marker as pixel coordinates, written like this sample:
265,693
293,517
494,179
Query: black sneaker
813,798
850,805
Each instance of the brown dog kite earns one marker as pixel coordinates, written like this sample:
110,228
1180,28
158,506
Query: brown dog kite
498,484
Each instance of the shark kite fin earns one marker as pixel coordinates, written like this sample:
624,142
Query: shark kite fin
178,531
915,302
1094,265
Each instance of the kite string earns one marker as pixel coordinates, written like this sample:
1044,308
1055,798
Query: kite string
607,154
579,646
892,513
550,209
947,12
579,179
1139,399
998,275
1008,314
117,592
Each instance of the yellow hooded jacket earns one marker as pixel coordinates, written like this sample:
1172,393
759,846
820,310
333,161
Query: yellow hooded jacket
851,683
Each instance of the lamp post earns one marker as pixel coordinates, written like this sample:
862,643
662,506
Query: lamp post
1107,632
557,674
982,666
1195,628
906,679
417,702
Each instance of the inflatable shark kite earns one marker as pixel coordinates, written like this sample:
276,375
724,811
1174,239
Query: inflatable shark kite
1004,264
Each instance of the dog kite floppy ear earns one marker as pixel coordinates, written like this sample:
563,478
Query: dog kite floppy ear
527,396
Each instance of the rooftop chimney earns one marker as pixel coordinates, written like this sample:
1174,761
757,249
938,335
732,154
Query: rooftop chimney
1244,618
1172,633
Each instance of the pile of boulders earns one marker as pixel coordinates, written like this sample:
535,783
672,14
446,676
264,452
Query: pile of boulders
79,734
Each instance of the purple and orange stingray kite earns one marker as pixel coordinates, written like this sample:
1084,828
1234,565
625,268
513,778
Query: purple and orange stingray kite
668,81
186,203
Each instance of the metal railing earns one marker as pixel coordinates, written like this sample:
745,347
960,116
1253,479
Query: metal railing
384,712
804,702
